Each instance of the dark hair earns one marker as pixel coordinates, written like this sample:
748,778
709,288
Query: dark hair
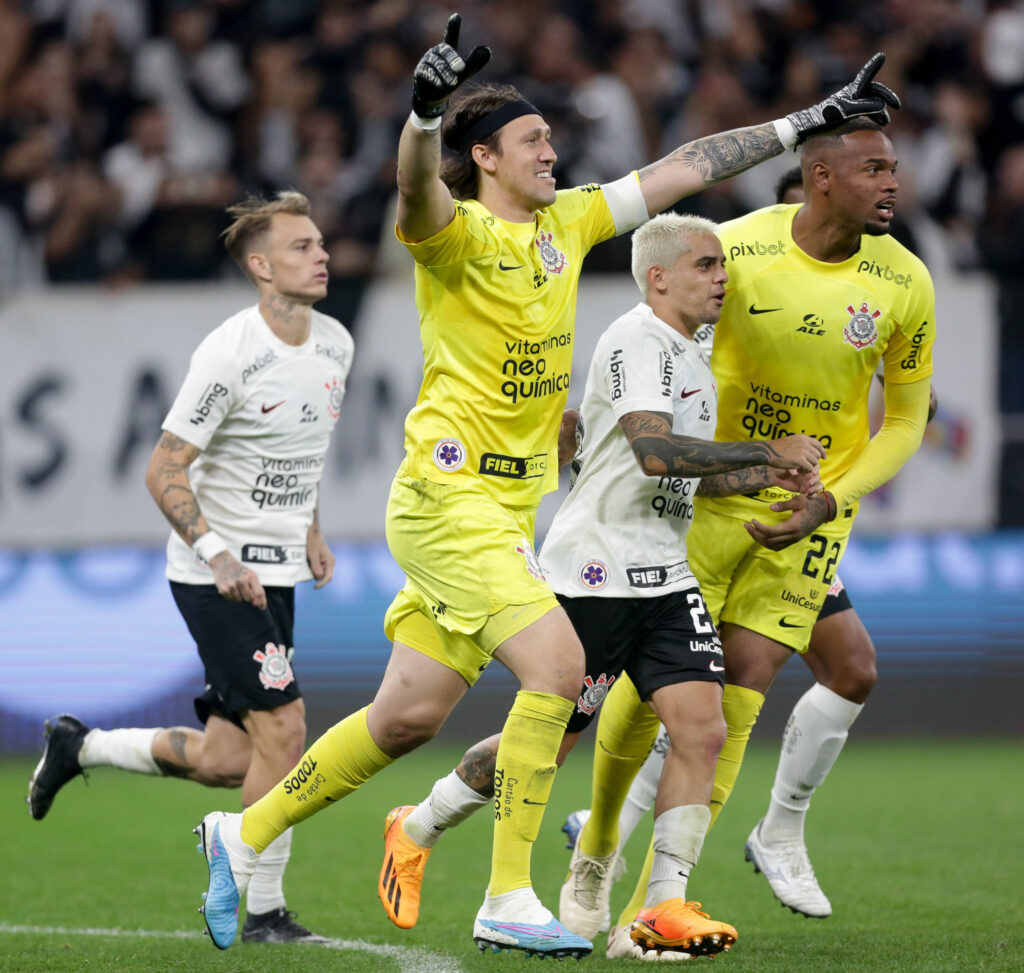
862,123
790,179
459,172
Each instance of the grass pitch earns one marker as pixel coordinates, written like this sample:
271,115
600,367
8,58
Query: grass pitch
919,847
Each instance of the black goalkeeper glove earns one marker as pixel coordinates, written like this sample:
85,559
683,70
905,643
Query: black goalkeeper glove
861,96
441,71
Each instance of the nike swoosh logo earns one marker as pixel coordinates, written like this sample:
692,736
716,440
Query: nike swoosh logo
784,624
270,408
501,266
763,310
715,667
685,395
526,800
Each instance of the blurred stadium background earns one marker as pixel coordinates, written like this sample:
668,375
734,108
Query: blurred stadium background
126,126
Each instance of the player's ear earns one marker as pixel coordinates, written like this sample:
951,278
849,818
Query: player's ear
655,278
821,176
484,157
259,267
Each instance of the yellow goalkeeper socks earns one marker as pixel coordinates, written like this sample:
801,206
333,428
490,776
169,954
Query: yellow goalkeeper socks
741,708
338,763
626,730
523,774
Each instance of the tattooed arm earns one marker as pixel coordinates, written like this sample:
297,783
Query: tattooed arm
660,452
704,162
167,480
756,478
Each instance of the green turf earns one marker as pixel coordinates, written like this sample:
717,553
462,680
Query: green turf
918,845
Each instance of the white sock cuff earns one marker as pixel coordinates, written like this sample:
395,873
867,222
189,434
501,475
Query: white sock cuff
680,831
451,801
454,800
280,849
841,711
266,887
125,748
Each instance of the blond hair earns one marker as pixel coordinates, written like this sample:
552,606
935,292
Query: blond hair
252,218
662,240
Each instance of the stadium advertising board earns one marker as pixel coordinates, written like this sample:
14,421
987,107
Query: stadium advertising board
86,377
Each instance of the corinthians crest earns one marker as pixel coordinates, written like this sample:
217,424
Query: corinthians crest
594,692
861,330
553,259
275,666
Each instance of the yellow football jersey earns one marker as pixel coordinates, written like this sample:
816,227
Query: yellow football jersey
799,340
497,305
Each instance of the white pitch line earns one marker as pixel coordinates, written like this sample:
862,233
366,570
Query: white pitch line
408,960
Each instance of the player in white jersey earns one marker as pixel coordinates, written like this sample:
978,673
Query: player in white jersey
237,473
616,557
841,656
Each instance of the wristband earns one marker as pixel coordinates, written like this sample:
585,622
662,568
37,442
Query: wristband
209,546
786,131
830,507
425,124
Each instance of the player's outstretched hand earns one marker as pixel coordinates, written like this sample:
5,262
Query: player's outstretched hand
809,513
236,582
798,452
862,96
567,437
441,71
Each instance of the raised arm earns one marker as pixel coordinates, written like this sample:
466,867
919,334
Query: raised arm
425,205
704,162
660,452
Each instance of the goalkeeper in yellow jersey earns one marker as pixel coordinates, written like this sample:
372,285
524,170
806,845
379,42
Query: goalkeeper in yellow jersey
819,295
498,254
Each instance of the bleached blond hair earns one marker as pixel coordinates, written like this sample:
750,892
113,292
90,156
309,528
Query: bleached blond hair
662,240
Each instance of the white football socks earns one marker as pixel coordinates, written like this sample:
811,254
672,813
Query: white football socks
519,905
678,838
811,743
266,892
451,801
126,749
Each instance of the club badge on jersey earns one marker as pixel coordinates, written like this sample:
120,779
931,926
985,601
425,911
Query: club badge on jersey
861,330
554,260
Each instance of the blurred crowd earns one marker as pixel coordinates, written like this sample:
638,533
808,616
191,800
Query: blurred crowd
126,126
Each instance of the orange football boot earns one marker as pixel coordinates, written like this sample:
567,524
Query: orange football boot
402,873
681,927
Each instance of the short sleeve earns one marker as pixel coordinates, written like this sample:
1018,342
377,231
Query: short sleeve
637,372
205,397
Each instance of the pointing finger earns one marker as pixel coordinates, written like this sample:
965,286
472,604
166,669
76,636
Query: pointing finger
451,31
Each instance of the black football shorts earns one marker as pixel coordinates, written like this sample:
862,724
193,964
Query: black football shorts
657,641
246,652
